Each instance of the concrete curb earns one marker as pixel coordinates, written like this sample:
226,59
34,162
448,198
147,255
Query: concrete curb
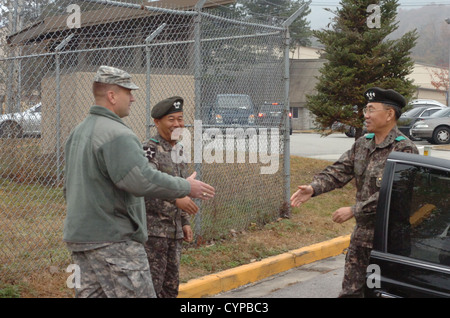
232,278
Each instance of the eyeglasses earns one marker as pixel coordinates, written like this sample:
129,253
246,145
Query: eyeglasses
370,110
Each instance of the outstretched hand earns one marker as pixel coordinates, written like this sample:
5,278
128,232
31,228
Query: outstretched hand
303,194
199,189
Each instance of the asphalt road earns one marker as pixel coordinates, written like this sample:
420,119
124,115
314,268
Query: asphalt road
333,146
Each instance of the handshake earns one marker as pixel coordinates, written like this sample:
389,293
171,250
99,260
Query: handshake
199,189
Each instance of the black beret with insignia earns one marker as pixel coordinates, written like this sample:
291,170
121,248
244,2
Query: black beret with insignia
385,96
167,106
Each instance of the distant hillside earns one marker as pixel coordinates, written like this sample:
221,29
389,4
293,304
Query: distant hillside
434,33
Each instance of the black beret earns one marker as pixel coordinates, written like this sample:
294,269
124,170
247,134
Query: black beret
167,106
385,96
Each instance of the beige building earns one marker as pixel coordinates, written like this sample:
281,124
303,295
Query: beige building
422,76
76,101
304,69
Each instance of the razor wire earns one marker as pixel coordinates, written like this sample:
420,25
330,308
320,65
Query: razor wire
230,72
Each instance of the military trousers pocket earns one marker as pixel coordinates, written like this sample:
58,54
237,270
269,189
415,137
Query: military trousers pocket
131,278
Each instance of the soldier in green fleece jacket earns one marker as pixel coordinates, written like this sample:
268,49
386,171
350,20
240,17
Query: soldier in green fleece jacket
106,177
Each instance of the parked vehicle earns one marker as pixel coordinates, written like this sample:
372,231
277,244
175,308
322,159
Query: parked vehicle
425,102
16,125
411,248
231,110
271,115
408,118
435,129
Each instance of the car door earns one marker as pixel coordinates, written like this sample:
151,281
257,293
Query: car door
411,253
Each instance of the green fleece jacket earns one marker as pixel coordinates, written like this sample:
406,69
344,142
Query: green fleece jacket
106,177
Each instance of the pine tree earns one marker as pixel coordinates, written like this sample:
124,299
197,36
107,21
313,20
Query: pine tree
360,56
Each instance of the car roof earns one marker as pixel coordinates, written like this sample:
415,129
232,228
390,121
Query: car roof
403,157
426,102
421,109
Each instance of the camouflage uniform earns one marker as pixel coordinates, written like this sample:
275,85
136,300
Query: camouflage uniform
113,270
164,220
365,162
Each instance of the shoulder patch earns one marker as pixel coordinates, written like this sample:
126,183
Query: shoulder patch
400,138
370,136
150,151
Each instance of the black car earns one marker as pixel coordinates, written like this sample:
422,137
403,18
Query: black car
411,251
232,110
408,118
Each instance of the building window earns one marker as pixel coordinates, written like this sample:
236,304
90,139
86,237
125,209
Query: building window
294,112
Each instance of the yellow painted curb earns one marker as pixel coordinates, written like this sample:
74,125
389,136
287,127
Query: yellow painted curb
249,273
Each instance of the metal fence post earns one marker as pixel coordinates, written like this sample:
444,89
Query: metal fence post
198,105
58,106
286,148
287,151
148,109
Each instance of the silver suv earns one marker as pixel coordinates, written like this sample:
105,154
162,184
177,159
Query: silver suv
425,102
16,125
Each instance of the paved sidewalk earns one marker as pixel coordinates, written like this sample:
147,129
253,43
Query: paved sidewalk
230,279
320,279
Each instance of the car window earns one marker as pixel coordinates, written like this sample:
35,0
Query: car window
412,112
234,101
426,113
419,214
441,113
431,111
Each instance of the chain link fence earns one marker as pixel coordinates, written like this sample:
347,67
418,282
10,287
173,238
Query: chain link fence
223,67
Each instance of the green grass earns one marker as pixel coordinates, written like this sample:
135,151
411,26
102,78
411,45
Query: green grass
31,219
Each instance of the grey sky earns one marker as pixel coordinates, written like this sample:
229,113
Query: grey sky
320,18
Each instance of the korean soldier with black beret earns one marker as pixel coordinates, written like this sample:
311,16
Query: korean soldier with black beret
167,220
364,162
